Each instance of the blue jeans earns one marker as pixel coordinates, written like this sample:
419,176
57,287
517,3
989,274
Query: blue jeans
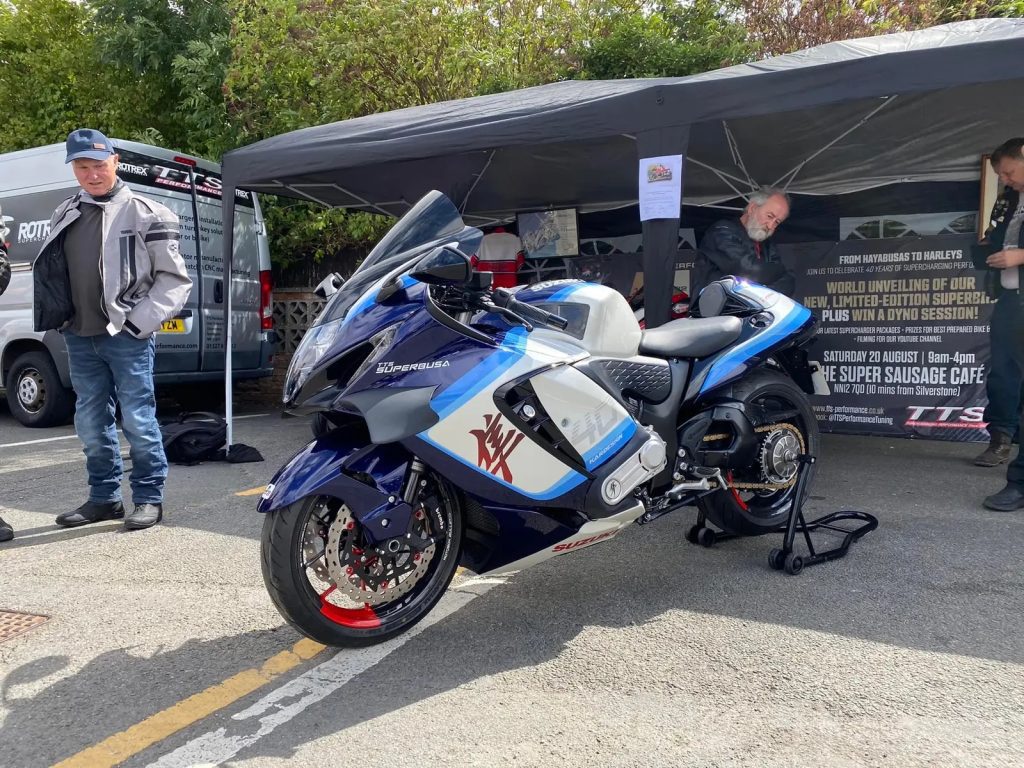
117,369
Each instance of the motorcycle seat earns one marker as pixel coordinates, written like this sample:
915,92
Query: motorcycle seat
691,337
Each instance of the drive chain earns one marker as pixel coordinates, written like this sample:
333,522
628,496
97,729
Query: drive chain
764,486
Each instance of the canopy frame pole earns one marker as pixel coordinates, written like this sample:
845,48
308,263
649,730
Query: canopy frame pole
789,176
308,196
362,200
737,156
723,176
479,177
227,202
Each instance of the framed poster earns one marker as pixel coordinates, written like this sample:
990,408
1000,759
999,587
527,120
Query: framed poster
549,234
990,190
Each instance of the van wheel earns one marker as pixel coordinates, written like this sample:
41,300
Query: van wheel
34,392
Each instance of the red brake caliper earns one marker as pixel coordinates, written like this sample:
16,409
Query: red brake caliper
357,618
735,493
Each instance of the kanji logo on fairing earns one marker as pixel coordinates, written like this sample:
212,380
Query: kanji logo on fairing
495,444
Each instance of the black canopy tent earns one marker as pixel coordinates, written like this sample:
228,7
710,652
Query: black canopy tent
916,106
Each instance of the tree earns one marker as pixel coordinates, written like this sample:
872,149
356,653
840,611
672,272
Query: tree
53,79
179,50
676,40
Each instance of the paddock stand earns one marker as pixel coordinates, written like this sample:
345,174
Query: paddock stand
786,559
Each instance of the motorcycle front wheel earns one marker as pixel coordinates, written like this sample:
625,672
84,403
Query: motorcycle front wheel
780,402
334,585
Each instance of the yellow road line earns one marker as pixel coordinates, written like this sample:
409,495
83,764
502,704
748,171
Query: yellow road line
119,747
252,491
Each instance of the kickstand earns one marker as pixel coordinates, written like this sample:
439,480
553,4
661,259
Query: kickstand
786,558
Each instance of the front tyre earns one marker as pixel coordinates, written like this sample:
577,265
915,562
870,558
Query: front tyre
334,586
778,400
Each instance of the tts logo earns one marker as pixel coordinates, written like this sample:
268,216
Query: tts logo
946,414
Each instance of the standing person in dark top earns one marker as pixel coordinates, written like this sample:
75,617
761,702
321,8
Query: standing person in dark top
1001,254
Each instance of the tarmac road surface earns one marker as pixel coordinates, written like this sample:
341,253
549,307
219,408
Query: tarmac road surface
163,649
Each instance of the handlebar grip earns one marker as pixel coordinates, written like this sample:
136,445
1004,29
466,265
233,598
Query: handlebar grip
538,315
503,298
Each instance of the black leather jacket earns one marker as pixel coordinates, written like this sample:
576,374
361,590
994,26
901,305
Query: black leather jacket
727,250
1002,212
5,268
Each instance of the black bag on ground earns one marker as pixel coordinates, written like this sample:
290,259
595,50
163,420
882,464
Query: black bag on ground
195,437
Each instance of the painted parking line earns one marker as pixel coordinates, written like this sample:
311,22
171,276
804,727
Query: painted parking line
294,697
252,491
75,437
119,747
269,712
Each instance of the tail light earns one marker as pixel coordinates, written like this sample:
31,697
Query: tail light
266,301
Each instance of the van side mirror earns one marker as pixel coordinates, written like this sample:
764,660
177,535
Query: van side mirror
445,265
329,286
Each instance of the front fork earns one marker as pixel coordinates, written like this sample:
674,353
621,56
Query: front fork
413,481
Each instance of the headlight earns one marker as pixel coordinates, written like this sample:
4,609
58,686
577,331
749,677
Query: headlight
314,344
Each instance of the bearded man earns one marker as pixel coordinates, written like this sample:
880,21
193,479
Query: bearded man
740,247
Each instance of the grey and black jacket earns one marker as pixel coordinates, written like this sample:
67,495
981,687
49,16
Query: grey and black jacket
992,243
143,274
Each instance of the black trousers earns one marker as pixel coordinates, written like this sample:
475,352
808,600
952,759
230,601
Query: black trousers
1005,376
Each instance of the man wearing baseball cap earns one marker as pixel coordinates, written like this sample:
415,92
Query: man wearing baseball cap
108,274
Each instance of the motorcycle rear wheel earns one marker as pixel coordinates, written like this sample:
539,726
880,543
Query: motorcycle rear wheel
756,513
300,595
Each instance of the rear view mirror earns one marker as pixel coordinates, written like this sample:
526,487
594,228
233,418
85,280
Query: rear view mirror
329,286
444,265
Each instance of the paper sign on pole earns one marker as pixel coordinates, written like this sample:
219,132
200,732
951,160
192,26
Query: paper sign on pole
661,184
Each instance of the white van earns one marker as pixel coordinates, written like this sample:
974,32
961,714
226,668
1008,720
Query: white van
34,366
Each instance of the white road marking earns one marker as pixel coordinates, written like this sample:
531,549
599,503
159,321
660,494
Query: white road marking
291,699
75,437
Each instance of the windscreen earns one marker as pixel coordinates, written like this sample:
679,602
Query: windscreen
432,221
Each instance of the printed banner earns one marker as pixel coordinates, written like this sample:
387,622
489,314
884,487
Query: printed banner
903,338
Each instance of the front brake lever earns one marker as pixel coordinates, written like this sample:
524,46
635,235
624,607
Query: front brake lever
508,314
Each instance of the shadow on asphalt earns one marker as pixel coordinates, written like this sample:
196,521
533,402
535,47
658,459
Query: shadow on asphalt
51,534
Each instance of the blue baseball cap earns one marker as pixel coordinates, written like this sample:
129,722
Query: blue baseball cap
85,142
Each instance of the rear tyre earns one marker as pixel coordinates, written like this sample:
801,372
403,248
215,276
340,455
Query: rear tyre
779,399
315,604
35,394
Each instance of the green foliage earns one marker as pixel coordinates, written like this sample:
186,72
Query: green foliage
179,52
677,40
302,231
53,80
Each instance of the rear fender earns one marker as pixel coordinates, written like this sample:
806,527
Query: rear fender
343,464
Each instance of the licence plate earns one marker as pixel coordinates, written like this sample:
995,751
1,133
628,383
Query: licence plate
821,386
172,326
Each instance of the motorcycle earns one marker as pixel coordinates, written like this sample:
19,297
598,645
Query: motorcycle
498,428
